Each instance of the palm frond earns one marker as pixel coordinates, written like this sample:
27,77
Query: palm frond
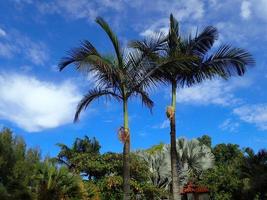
93,95
174,38
228,61
144,98
202,43
78,55
86,59
112,37
151,46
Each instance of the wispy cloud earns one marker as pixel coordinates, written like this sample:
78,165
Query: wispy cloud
36,105
229,125
72,9
2,32
17,44
162,125
7,50
142,134
254,114
216,92
182,10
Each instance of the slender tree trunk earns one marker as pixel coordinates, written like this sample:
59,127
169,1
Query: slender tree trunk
126,156
174,158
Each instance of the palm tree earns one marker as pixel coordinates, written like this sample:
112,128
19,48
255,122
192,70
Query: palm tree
158,164
204,64
57,183
122,77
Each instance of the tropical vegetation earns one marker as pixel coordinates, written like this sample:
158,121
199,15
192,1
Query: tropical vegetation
172,59
82,171
227,170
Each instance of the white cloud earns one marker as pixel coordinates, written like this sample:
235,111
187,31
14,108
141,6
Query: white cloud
229,125
36,105
2,33
215,92
246,9
254,114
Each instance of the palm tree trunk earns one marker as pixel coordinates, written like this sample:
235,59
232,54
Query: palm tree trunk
126,156
174,159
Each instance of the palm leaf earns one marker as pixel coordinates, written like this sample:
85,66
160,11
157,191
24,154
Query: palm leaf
78,55
145,98
202,43
173,38
112,37
93,95
228,61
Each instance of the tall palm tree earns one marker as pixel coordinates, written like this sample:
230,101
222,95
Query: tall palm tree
122,77
204,64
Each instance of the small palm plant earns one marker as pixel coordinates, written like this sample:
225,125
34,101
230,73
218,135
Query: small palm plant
202,62
193,159
122,77
56,183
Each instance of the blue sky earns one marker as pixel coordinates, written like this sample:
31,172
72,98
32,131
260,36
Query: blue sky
38,102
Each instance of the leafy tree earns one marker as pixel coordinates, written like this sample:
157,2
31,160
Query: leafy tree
196,55
224,180
16,167
122,77
254,170
81,148
205,139
227,153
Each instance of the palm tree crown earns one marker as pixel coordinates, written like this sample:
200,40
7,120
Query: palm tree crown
195,53
121,77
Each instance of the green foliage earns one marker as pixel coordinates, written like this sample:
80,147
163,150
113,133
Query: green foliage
16,166
56,183
227,153
223,182
254,170
237,174
155,149
91,190
205,140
